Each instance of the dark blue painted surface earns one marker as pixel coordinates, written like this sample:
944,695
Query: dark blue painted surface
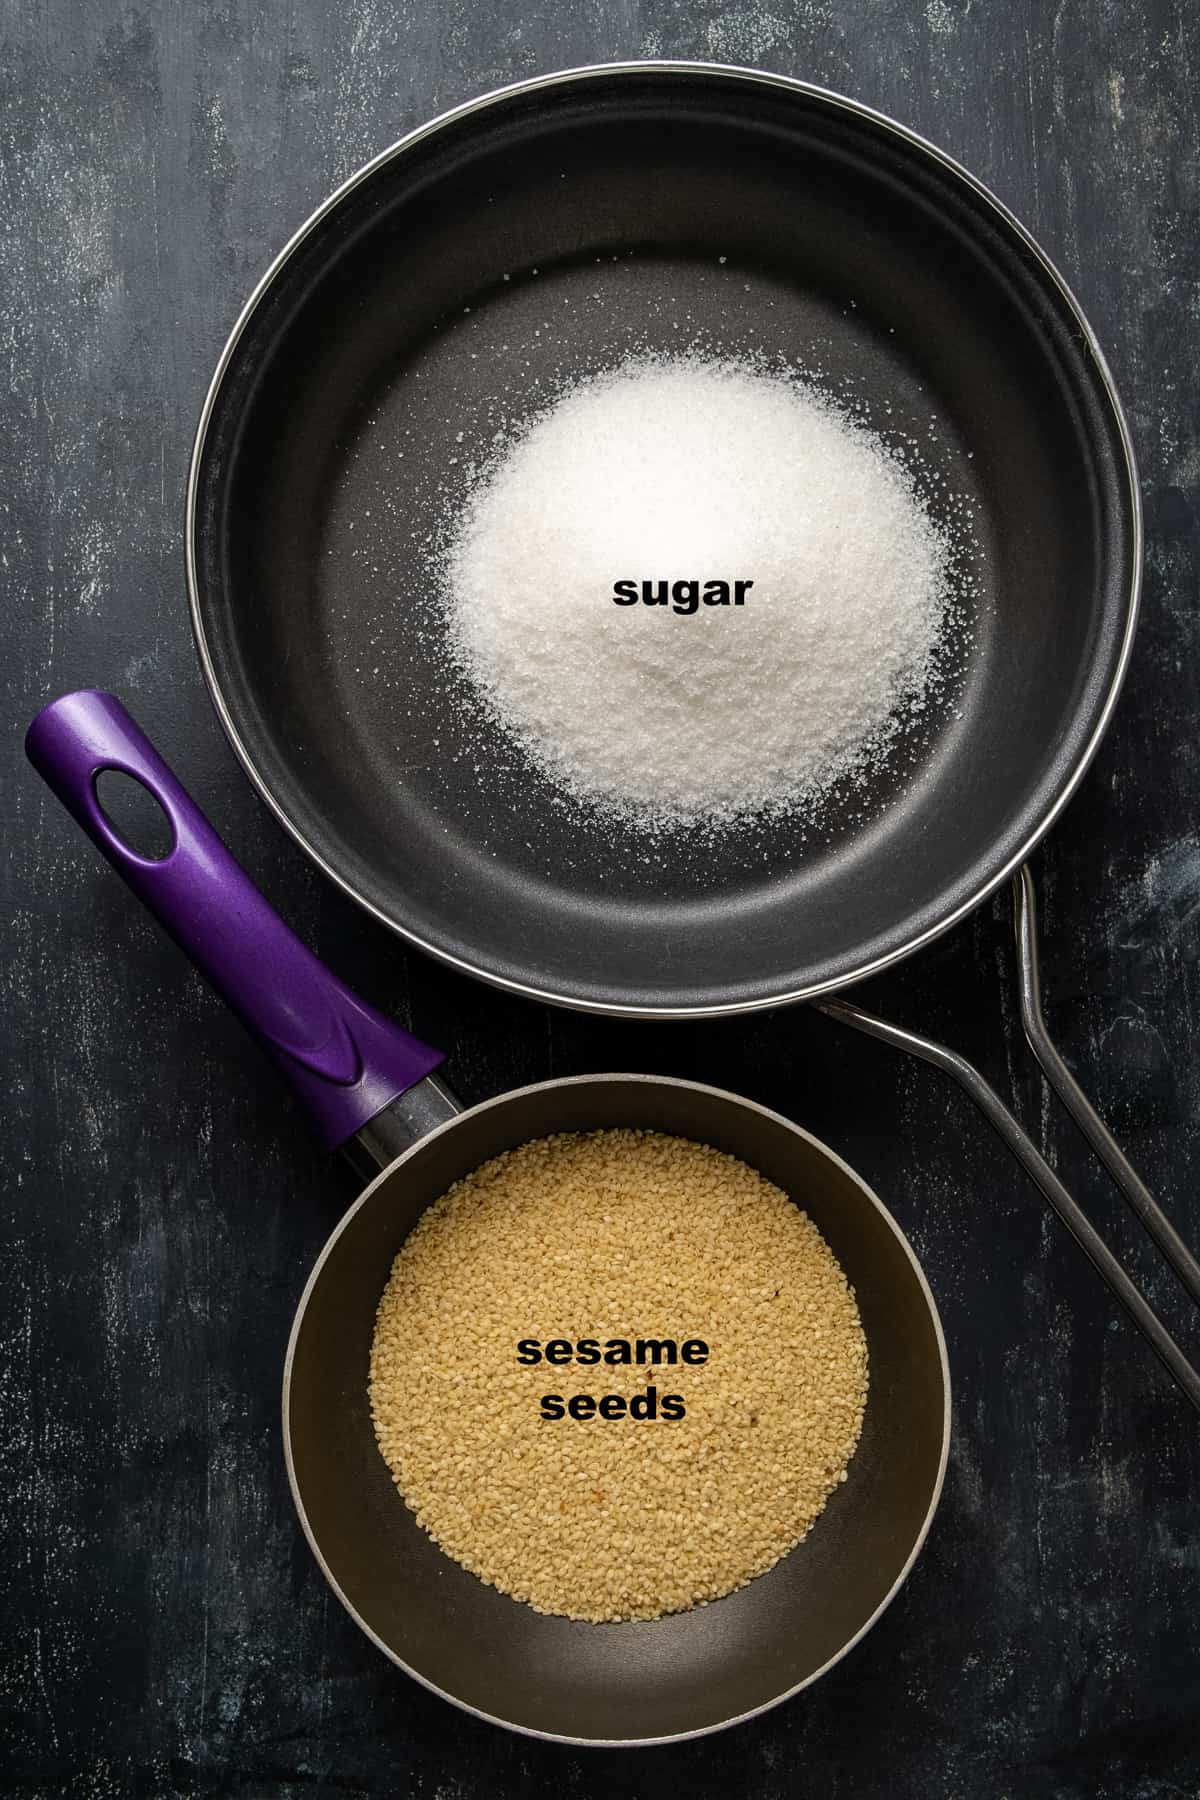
165,1632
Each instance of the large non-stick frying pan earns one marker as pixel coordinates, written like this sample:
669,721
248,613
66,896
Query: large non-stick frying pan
546,231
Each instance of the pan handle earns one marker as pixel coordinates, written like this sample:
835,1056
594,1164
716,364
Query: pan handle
1137,1195
345,1062
989,1103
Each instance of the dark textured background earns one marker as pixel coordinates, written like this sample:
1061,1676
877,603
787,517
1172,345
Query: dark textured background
165,1631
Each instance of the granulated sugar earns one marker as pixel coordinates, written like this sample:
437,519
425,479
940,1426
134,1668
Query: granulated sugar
690,469
614,1236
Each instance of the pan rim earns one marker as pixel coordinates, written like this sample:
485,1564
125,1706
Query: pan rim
823,1149
870,966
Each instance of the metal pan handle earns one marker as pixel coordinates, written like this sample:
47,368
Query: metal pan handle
345,1062
1030,1157
1072,1097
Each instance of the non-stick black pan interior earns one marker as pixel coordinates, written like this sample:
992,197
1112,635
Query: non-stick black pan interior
689,1672
551,233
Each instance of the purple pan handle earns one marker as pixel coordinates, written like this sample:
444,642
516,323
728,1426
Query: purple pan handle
344,1060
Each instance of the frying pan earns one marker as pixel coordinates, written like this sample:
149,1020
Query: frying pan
550,229
371,1088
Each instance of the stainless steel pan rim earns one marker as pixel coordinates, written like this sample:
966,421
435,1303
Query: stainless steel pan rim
566,78
696,1087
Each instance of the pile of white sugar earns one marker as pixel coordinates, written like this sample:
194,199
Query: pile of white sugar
689,469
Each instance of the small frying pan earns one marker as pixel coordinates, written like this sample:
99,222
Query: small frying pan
370,1088
546,231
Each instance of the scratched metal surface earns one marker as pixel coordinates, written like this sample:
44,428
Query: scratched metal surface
164,1629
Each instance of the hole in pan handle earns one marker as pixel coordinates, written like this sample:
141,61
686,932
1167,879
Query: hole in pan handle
1072,1097
345,1062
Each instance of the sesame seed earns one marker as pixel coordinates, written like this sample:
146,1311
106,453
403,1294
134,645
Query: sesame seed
617,1235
